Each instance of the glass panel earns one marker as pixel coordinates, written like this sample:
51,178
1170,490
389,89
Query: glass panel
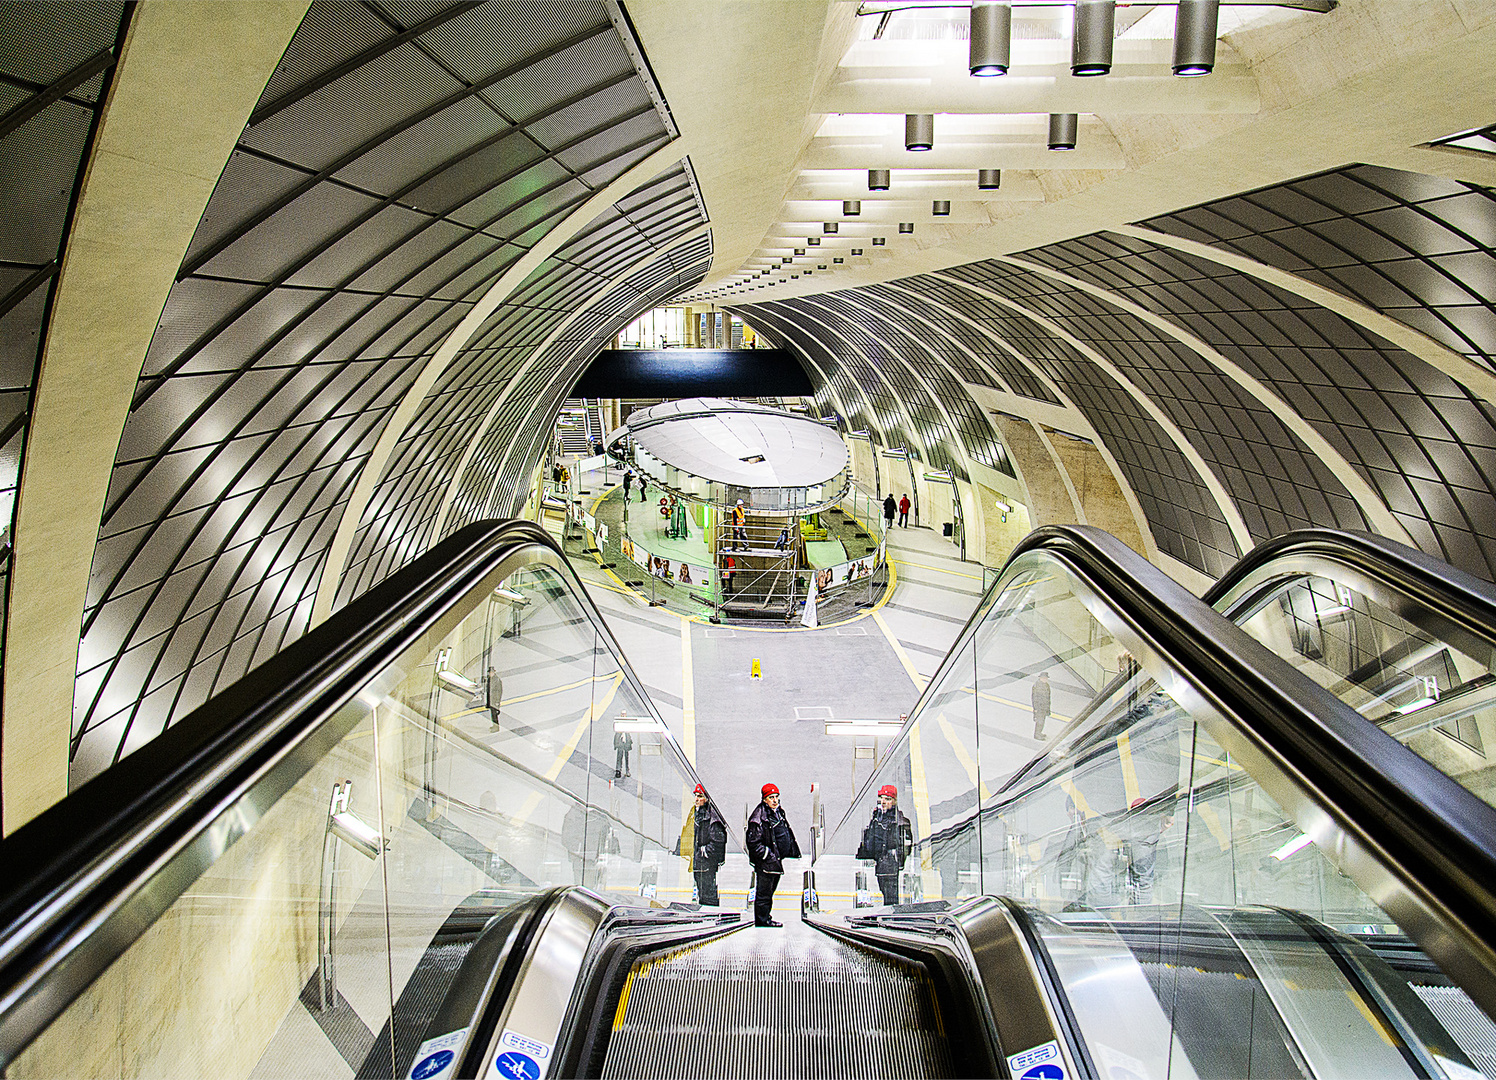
1192,927
510,751
1430,694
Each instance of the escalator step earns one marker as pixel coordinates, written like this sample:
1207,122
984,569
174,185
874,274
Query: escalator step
1463,1019
779,1004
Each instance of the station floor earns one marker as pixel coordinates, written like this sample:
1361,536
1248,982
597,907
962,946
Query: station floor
742,732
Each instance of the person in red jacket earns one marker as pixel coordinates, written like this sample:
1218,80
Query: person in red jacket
904,512
770,842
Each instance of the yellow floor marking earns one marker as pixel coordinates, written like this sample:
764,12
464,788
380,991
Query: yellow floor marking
1371,1018
937,569
1129,770
530,697
687,696
898,650
596,709
922,812
1213,823
961,755
1015,704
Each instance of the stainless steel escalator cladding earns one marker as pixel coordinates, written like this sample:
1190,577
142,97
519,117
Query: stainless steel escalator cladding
1175,765
316,851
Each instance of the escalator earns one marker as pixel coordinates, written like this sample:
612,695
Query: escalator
412,845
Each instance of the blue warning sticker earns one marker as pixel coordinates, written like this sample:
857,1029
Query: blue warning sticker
437,1058
1041,1062
512,1065
520,1058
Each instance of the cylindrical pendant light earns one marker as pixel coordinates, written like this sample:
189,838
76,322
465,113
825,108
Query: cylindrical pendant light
879,241
991,38
813,241
829,227
838,260
856,251
940,208
1091,44
906,227
1062,130
919,131
989,179
799,251
877,179
851,207
823,266
1195,23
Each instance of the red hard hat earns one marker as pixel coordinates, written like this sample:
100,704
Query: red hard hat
699,790
889,790
770,789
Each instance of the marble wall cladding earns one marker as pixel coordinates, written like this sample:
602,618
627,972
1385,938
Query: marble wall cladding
1100,495
999,537
202,992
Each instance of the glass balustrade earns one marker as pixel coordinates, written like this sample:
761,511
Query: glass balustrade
311,925
1059,761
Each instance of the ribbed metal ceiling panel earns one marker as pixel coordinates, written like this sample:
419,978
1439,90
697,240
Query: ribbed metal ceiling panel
401,158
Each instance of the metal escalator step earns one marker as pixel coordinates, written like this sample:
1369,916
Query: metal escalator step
1463,1019
795,1004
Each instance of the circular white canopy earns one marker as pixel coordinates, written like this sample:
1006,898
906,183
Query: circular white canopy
739,443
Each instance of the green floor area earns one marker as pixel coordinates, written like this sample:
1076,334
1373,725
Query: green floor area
825,553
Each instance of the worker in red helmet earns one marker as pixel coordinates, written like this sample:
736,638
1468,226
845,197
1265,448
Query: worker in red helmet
886,842
703,842
770,842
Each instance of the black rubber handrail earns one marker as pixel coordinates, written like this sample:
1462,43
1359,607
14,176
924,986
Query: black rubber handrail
1417,841
68,868
1426,582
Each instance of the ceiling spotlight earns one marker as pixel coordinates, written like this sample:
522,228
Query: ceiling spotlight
991,38
830,227
1091,43
851,207
813,241
799,251
823,266
878,241
940,208
989,179
856,251
919,131
838,260
1195,36
877,179
1062,130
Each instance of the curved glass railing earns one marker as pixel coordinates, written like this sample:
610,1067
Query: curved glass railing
281,883
1407,641
1179,802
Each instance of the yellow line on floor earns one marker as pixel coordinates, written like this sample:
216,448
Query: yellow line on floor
596,709
898,650
530,697
937,569
687,696
1014,704
959,749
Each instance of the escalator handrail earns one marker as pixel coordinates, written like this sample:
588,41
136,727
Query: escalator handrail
1422,845
1423,580
77,865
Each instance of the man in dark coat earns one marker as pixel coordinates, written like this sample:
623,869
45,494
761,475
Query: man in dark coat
703,840
770,842
623,742
493,695
890,508
1042,698
887,840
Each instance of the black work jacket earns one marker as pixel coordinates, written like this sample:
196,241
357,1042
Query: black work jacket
770,840
887,838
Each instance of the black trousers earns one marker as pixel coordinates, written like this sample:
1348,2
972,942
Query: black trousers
889,883
620,762
706,888
763,896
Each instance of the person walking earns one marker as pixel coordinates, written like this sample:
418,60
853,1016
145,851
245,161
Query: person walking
1042,697
623,742
703,843
890,508
770,842
628,482
887,840
642,496
904,505
493,695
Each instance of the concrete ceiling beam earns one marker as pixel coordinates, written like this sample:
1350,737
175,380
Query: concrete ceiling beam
1152,90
